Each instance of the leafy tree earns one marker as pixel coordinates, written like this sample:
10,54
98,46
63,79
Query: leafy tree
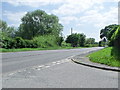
3,26
38,23
90,41
5,33
112,33
107,32
116,38
60,40
82,38
76,39
73,39
5,30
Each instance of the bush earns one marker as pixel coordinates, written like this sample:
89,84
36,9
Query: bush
46,41
116,53
60,40
64,44
19,42
8,43
40,41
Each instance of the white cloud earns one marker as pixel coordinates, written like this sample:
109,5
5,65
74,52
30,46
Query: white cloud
71,7
101,19
15,18
68,19
33,3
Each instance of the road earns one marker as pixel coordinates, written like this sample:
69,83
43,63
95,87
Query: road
52,69
20,60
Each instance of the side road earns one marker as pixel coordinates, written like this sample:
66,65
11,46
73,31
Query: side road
83,60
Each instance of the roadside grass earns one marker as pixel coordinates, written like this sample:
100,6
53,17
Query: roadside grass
35,49
104,57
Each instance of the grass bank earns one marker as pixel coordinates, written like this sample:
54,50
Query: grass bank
104,57
35,49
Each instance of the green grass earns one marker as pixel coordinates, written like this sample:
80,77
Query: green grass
35,49
104,57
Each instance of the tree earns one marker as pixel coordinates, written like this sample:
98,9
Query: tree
82,40
90,41
107,32
73,39
76,39
3,25
38,23
5,30
60,40
112,34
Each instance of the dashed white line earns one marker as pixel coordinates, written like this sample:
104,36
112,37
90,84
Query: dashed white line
40,67
47,66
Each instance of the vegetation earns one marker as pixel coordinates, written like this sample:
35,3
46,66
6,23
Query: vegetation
111,55
111,34
38,23
39,31
104,57
76,40
35,49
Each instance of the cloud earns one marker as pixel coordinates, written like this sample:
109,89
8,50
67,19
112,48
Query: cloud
33,3
100,19
68,19
71,7
14,17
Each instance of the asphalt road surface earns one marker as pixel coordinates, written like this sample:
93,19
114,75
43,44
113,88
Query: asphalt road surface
20,60
53,69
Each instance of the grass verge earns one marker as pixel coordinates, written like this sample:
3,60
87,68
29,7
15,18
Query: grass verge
35,49
104,57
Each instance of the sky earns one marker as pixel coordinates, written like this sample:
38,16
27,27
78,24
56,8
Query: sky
84,16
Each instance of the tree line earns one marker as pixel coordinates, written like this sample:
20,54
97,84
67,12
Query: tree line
39,29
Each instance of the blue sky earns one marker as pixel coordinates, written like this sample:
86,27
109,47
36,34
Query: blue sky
84,16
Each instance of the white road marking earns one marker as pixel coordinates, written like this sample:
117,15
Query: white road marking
53,62
38,69
47,66
41,66
11,74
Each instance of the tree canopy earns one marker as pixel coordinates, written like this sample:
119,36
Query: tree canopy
5,30
90,41
37,23
76,39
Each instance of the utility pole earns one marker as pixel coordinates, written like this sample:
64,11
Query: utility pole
71,30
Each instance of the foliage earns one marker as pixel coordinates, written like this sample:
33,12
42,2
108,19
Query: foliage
82,39
64,44
45,41
73,39
90,41
112,33
59,41
76,39
107,33
20,43
6,31
8,43
104,57
38,23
